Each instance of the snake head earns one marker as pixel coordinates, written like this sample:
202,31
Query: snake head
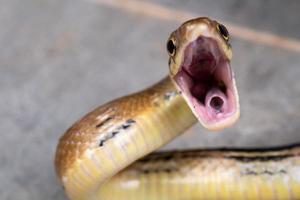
199,62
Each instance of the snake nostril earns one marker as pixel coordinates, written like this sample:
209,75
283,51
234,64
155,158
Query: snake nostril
216,103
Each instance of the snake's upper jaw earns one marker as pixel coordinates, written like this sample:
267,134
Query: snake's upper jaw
207,83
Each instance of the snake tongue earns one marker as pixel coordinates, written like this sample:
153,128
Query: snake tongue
208,86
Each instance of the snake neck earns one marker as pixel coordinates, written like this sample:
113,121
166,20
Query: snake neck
116,134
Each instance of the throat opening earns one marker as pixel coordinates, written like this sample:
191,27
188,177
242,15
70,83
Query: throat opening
216,103
200,88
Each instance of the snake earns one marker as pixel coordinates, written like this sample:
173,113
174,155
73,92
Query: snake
108,154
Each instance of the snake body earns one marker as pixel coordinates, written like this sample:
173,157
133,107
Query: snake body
95,157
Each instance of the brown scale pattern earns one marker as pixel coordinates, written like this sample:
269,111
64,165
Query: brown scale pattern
85,134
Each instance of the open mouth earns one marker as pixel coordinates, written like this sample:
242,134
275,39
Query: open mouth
206,81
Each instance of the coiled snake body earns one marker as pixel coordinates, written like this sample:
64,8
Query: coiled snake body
92,155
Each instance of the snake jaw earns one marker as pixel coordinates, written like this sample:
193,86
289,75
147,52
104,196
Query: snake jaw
207,83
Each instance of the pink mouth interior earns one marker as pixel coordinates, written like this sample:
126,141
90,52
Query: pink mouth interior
206,80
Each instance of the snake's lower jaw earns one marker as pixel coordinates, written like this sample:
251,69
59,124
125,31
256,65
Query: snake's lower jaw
207,83
218,108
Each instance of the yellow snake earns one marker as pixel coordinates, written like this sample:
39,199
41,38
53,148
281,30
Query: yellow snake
95,157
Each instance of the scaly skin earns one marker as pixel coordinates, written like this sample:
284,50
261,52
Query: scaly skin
210,174
118,133
92,155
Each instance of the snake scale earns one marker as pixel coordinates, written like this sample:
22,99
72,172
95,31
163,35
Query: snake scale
105,154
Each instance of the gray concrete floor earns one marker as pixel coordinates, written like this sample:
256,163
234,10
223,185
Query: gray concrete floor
60,59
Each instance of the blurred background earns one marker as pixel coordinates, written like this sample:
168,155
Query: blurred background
60,59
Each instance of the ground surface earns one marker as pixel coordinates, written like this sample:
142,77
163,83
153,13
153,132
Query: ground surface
60,59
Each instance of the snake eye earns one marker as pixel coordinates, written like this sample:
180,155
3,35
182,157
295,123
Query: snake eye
223,31
171,47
